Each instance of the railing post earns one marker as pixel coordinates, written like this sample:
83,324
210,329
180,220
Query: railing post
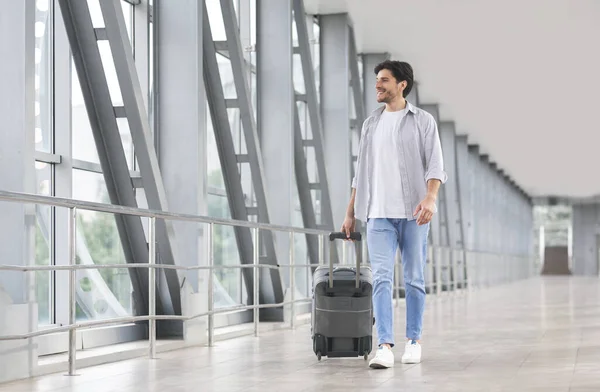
321,250
430,269
256,288
292,285
152,285
211,262
454,266
397,280
438,270
72,298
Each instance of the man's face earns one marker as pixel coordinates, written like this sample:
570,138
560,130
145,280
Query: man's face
388,87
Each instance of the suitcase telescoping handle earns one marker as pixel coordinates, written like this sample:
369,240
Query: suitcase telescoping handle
354,236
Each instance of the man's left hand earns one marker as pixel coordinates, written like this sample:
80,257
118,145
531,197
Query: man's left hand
425,210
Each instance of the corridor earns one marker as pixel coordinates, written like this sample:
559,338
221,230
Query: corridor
537,335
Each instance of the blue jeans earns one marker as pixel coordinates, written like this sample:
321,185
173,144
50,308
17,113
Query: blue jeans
383,238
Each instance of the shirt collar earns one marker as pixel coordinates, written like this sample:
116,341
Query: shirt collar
409,106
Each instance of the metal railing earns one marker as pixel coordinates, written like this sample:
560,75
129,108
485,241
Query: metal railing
434,272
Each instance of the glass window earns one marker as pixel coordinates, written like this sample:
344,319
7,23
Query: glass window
84,146
44,92
100,293
43,76
226,253
215,18
43,246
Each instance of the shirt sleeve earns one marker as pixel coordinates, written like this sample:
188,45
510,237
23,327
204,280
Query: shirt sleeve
434,160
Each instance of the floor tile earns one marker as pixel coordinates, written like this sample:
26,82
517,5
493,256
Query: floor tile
536,335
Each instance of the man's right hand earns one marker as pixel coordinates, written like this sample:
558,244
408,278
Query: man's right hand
348,225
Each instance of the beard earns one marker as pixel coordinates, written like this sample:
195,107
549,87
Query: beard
384,96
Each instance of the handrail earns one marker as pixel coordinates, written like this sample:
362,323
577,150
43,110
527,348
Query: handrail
20,197
74,205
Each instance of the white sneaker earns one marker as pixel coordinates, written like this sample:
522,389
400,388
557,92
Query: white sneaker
412,352
383,359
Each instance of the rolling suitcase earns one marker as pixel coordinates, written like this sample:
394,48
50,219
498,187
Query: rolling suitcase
342,308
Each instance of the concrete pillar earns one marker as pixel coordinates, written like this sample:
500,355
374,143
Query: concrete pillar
335,110
18,359
182,141
275,114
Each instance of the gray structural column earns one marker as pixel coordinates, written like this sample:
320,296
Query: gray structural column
484,191
370,61
18,311
451,188
465,179
452,203
276,113
335,109
475,185
17,172
181,127
439,226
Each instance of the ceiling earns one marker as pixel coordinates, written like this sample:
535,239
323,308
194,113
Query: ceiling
520,78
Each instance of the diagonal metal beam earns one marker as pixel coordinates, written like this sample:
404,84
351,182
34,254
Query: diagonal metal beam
304,193
271,289
90,71
316,124
143,142
242,86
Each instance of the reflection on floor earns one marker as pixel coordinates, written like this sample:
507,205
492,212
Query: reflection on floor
542,334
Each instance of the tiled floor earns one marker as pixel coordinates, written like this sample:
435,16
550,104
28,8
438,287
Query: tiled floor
538,335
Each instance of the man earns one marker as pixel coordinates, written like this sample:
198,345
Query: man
399,171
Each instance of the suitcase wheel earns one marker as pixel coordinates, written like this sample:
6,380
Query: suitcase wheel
318,356
366,356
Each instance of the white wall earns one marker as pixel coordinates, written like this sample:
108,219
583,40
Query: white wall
512,74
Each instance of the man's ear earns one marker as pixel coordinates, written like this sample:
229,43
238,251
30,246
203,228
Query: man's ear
402,85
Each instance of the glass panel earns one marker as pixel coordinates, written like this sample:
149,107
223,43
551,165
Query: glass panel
96,13
253,26
226,73
226,253
111,73
317,56
128,14
84,146
43,76
215,18
100,293
214,173
43,246
127,141
299,85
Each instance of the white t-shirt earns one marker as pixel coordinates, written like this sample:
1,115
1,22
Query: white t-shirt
386,199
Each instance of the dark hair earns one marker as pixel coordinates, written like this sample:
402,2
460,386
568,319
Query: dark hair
401,71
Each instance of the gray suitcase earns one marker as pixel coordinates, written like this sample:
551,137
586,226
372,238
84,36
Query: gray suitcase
342,308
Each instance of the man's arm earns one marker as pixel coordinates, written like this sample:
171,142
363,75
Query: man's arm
433,186
349,221
350,209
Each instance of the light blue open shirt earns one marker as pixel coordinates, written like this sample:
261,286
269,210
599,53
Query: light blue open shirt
420,159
